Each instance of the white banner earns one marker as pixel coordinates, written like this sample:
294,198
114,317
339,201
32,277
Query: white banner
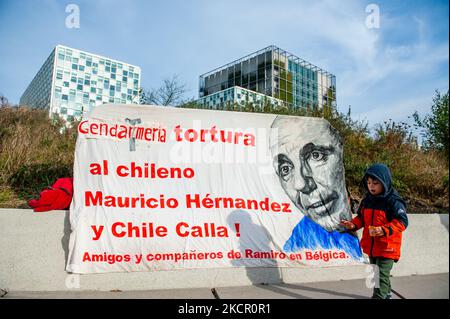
159,188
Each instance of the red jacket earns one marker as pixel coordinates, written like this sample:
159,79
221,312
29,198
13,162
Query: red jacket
387,246
59,196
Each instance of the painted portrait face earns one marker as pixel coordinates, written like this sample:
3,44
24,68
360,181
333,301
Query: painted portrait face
307,155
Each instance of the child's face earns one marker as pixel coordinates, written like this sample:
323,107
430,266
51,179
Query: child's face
374,185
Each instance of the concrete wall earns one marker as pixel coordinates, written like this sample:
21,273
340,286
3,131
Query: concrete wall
34,248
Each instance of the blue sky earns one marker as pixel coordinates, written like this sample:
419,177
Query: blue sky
383,73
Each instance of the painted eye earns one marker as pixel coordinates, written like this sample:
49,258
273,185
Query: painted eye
317,156
285,169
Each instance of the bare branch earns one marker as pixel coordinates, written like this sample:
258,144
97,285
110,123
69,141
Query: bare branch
170,93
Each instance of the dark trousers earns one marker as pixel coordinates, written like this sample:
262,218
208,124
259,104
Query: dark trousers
384,283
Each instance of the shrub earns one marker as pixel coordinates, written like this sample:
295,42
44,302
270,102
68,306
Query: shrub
33,151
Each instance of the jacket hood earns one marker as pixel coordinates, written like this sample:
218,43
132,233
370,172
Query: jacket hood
383,174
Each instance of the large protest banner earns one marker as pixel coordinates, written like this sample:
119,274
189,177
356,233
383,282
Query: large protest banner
160,188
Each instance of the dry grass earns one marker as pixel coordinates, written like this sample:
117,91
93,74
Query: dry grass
33,153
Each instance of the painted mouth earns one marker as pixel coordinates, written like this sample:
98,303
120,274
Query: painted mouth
319,204
323,206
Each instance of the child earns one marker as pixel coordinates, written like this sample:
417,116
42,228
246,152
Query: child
382,213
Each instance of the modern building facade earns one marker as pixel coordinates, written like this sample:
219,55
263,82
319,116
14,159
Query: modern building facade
72,81
237,97
270,72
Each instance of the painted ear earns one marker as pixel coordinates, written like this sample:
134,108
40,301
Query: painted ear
275,165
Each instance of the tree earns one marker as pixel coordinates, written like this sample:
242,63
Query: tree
171,92
435,125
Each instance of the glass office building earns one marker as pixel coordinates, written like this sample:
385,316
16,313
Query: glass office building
276,73
235,98
71,82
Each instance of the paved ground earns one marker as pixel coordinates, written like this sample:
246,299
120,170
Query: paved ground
434,286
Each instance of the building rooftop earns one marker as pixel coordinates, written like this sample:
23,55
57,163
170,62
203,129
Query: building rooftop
290,56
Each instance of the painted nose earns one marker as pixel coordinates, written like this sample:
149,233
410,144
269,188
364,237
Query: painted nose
304,181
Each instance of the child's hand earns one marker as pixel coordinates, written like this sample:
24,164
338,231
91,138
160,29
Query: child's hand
376,231
348,224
